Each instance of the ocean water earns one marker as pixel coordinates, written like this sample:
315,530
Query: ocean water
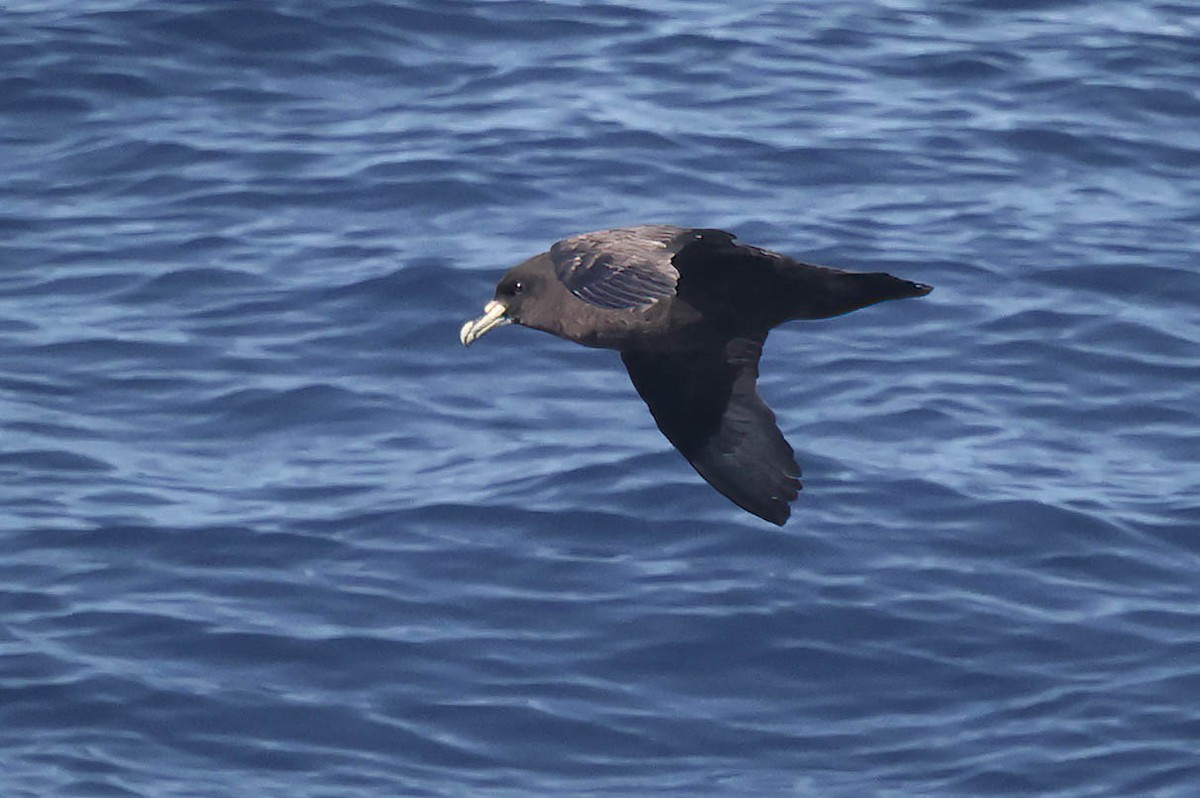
267,529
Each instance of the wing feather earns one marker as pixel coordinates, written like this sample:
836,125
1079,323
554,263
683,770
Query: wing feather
623,269
707,405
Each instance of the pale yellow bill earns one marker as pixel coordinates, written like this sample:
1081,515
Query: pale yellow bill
493,316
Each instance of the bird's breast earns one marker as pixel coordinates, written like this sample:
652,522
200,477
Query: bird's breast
658,326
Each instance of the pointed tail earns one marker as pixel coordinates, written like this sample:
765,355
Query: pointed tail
818,292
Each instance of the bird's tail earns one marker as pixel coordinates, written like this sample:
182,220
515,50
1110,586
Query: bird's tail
818,293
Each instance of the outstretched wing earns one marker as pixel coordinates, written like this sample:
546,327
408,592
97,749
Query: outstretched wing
624,269
706,403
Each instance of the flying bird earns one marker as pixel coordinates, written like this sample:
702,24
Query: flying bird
689,311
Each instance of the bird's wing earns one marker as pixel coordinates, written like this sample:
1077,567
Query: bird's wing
706,404
624,269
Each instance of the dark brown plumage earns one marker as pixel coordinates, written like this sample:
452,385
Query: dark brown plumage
689,311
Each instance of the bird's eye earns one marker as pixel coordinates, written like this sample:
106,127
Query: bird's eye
518,287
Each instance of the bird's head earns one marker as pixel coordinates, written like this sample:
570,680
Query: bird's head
515,302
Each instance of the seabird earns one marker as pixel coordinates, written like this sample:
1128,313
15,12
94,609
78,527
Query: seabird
689,311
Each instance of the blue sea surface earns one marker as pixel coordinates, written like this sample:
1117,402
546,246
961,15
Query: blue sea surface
267,529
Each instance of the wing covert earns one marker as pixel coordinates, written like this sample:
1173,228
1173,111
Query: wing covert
622,269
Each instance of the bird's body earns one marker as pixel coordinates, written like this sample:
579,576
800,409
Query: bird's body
689,311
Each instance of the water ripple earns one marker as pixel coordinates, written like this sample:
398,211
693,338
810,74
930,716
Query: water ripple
269,530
